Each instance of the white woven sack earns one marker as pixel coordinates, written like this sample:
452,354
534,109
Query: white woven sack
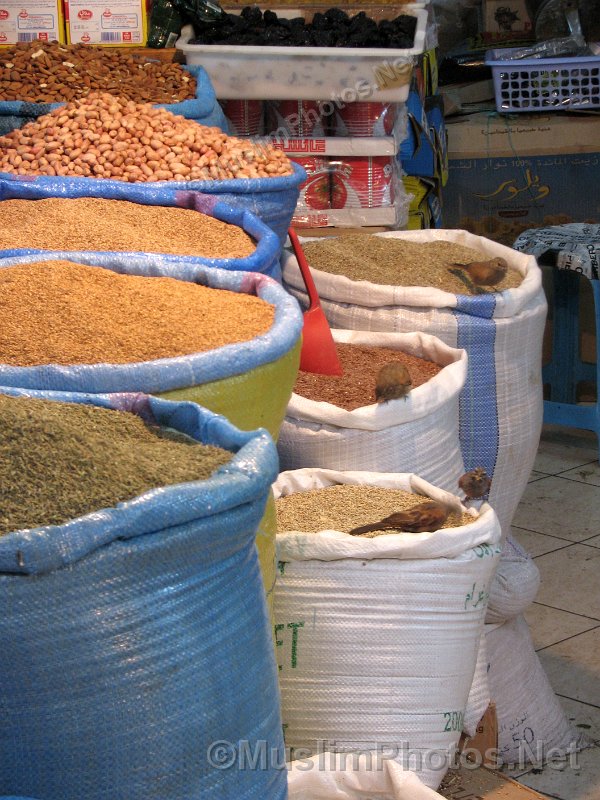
418,433
515,584
377,638
501,405
341,776
479,694
531,722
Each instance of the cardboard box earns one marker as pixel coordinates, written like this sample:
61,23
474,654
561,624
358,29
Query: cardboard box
116,22
484,784
506,16
26,22
510,173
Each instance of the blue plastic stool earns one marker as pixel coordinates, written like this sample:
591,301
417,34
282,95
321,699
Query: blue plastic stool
566,368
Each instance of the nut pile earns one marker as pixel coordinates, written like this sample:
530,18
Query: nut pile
103,136
361,364
51,72
90,223
344,507
398,262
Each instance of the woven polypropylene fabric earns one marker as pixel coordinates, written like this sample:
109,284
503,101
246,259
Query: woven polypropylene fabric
379,651
203,108
134,638
272,200
418,434
501,406
169,373
264,259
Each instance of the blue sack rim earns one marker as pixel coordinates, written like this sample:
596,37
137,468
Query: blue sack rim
180,371
242,480
265,257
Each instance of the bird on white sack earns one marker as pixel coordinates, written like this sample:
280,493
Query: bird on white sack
427,516
475,484
393,382
485,273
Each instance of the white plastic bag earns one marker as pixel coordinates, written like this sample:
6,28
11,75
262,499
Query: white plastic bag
377,638
501,405
335,776
418,433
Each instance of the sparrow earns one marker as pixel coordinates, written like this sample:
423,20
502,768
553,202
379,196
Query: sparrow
475,484
486,273
427,516
393,382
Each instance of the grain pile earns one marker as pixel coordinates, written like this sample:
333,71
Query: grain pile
344,507
398,262
59,461
360,365
102,136
51,72
89,223
58,312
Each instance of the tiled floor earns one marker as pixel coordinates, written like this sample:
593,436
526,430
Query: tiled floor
558,522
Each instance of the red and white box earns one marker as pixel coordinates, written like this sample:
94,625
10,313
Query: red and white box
365,182
118,22
366,119
297,118
315,192
246,117
40,20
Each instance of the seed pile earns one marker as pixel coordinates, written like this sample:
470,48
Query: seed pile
58,312
89,223
59,461
360,364
51,72
398,262
344,507
102,136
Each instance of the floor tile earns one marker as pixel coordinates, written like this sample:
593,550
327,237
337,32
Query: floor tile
569,580
535,476
564,448
593,542
573,667
560,507
577,781
583,717
550,625
588,473
537,544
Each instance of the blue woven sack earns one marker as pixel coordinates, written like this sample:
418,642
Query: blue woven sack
265,258
204,108
135,649
167,374
273,200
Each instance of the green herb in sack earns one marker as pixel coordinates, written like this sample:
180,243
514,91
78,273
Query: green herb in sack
59,461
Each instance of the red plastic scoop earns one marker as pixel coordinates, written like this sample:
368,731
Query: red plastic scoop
318,352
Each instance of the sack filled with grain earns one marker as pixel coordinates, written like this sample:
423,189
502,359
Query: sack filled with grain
125,611
417,281
193,228
377,633
336,423
100,145
227,340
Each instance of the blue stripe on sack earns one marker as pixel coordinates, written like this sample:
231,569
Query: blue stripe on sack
478,427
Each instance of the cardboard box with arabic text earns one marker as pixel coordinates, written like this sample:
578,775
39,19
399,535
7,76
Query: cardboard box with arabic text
510,173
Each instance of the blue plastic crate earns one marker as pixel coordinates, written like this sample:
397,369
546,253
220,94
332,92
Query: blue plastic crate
544,84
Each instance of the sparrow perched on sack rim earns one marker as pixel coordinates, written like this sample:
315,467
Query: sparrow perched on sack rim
427,516
485,273
393,382
475,484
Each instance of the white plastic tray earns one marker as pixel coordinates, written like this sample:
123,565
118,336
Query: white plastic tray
341,74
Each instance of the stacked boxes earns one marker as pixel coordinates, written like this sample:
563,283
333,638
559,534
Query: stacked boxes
424,152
